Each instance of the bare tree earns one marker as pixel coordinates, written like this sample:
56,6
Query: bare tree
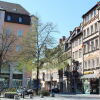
35,43
7,41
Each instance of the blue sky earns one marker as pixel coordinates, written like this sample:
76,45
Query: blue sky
66,14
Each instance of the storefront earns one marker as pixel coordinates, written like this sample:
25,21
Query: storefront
4,81
90,82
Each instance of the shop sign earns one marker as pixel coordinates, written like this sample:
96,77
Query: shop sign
89,72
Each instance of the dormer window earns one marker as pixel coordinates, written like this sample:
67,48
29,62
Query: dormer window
8,18
1,7
20,19
14,9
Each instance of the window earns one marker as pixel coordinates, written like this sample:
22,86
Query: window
8,31
89,46
73,45
73,55
92,45
76,43
76,55
94,12
96,27
85,65
93,63
7,47
20,33
84,33
97,62
80,40
91,29
18,48
88,64
20,19
87,18
88,32
14,9
80,53
96,44
85,48
80,66
9,18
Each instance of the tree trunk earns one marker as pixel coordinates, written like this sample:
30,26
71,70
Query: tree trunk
37,88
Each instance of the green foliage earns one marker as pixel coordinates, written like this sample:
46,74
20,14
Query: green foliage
26,65
44,93
11,90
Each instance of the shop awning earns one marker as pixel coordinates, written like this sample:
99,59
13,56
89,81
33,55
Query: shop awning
89,76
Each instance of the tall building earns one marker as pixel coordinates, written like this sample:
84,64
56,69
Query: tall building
67,70
16,20
91,54
77,50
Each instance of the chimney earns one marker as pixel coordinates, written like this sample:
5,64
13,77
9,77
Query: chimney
60,40
98,2
70,33
78,30
63,38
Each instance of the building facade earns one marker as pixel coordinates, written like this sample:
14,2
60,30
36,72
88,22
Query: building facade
91,57
81,56
16,20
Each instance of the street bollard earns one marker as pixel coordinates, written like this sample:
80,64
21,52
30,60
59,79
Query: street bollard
16,97
52,95
41,95
31,96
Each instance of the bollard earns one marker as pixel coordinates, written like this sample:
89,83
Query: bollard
16,97
52,95
31,96
41,95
